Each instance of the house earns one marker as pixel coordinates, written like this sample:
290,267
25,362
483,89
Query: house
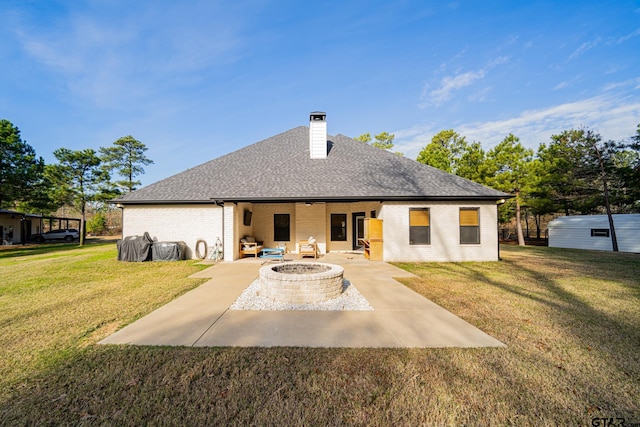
18,227
303,183
593,232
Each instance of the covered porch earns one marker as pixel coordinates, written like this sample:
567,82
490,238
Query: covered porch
336,226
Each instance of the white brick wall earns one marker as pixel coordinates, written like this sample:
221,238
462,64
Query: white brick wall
230,243
445,236
189,223
172,223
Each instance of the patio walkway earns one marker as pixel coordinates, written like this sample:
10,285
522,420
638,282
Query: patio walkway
401,317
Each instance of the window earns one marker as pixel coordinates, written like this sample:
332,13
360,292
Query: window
339,227
419,229
469,226
599,232
281,232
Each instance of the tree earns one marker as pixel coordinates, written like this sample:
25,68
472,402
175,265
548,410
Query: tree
21,172
127,158
79,179
603,155
441,152
628,170
624,180
510,164
98,223
579,167
564,178
471,163
450,152
41,198
536,199
383,140
365,137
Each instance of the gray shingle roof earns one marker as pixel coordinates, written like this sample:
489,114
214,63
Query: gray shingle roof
279,168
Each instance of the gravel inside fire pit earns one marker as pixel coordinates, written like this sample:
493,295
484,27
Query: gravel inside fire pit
349,300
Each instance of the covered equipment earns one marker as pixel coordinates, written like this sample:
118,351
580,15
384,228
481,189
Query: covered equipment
135,248
168,251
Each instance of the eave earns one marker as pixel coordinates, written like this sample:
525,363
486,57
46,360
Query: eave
344,199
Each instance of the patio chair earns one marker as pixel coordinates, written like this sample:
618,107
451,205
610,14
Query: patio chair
307,248
249,246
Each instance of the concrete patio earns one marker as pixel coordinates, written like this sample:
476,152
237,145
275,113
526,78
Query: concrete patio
401,317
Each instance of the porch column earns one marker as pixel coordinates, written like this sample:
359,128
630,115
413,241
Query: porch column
230,241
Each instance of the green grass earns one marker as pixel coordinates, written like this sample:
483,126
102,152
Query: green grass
57,299
570,319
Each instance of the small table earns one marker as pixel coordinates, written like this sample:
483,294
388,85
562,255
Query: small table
273,253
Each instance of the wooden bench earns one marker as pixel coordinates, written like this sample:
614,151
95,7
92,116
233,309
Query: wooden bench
250,248
307,249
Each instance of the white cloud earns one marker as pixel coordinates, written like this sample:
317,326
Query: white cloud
629,36
584,47
613,117
630,83
449,84
614,69
480,95
108,60
561,85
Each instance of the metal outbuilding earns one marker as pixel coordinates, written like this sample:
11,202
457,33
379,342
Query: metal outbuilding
593,232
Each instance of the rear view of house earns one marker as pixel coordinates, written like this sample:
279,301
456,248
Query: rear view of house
593,232
305,183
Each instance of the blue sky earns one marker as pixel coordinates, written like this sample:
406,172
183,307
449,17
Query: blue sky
194,80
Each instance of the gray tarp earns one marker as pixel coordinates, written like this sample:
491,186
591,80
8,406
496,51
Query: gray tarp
135,248
168,251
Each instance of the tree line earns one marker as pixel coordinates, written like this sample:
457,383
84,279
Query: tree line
79,177
577,172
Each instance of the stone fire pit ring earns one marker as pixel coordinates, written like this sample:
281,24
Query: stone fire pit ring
301,282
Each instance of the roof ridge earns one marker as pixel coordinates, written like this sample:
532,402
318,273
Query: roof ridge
280,168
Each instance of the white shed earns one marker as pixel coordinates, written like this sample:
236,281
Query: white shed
592,232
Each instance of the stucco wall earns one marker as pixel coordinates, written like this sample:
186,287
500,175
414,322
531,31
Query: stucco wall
170,223
445,233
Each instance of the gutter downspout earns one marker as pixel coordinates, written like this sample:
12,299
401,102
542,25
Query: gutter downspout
228,248
498,204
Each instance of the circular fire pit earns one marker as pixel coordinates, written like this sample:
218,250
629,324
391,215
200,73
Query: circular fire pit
301,282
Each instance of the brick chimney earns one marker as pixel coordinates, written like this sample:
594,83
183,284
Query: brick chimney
318,135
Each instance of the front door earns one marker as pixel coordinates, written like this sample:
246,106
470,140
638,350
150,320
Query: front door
358,229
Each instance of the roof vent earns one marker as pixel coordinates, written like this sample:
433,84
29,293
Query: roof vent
318,135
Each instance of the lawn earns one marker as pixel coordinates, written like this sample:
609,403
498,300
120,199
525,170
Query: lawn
570,320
